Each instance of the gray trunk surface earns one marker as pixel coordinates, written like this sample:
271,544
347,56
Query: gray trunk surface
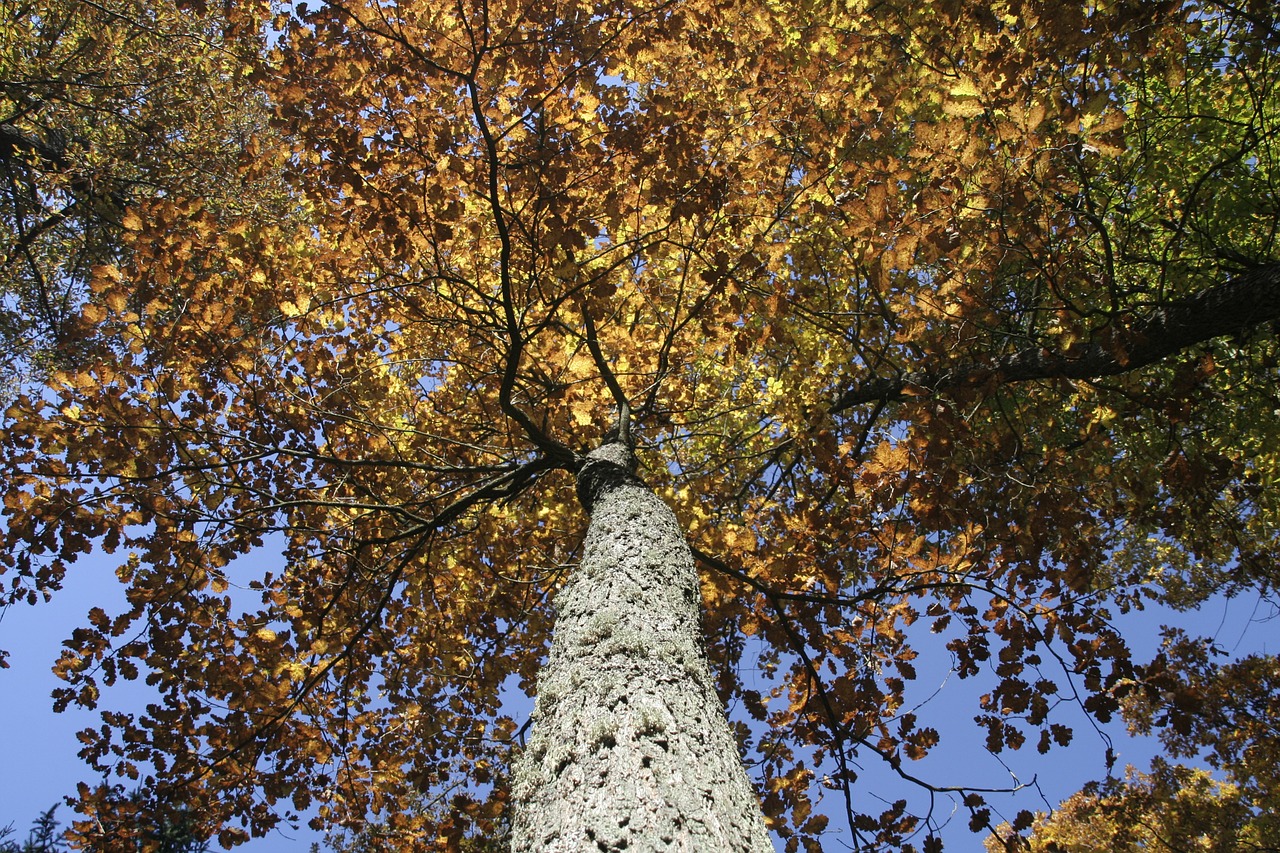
630,748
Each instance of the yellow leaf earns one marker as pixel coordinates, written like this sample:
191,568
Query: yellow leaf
1035,117
104,276
1109,121
581,411
962,109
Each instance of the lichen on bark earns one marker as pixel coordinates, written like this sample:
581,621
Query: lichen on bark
630,747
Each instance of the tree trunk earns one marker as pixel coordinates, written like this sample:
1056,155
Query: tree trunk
630,747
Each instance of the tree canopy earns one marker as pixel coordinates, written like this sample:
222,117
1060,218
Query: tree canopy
1173,808
102,107
950,319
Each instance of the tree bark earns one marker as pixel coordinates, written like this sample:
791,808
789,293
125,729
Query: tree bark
630,747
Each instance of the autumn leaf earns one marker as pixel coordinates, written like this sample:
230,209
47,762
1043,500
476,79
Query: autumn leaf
944,331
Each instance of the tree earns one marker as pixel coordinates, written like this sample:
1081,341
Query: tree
630,746
1196,705
42,838
948,315
376,836
1173,808
131,822
104,106
172,834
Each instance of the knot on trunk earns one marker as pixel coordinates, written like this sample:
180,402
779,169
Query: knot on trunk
607,467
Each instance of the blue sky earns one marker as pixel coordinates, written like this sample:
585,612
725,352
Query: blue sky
39,753
40,762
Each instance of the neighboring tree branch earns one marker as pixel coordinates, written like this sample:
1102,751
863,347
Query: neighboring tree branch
49,153
1243,302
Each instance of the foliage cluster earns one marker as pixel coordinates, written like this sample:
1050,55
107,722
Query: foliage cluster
953,318
104,107
174,835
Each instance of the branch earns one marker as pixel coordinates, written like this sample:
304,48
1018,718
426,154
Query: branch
505,485
602,364
49,153
1243,302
